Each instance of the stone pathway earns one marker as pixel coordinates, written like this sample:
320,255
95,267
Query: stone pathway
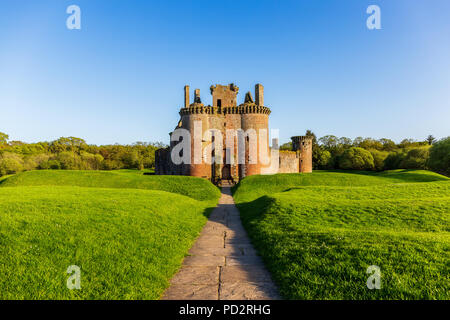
222,265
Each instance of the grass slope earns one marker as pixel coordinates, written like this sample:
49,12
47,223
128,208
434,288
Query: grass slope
128,242
318,233
199,189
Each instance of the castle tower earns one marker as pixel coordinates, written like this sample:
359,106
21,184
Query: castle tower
303,146
186,96
224,96
195,120
255,117
259,94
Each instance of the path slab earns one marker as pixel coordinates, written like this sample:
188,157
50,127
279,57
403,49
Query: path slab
222,265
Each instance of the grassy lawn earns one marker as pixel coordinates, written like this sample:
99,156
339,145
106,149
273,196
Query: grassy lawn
127,232
318,233
199,189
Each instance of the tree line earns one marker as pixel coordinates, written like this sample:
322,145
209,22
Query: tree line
73,153
331,152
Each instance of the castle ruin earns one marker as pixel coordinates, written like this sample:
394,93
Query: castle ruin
206,125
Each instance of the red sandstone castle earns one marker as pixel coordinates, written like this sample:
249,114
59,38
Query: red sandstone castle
229,141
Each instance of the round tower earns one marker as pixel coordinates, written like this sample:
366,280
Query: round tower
194,118
255,118
303,146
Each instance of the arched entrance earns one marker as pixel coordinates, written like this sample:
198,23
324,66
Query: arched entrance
226,172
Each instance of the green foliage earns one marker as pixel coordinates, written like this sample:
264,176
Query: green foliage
323,159
10,163
317,233
356,158
440,156
127,236
3,138
379,158
431,139
196,188
286,146
73,153
416,158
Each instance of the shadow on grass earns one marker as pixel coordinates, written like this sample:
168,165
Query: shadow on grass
405,175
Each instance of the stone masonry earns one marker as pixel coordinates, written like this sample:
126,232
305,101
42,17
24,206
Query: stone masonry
222,265
225,114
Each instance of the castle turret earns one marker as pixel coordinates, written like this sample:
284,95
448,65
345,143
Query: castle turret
186,96
303,146
259,94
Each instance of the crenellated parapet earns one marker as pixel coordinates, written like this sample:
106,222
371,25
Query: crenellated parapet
241,109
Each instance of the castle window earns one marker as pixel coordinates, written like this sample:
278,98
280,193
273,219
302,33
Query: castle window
219,102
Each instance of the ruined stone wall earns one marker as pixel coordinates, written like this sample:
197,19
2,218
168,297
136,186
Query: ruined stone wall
303,146
223,116
289,162
162,164
256,122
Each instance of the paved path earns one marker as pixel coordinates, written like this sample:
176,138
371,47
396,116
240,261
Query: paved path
222,265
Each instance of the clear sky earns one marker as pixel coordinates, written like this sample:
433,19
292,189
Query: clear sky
120,78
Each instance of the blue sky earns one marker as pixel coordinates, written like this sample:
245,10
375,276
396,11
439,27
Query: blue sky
120,78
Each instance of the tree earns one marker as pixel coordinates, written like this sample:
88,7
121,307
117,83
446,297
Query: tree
439,159
324,160
3,138
286,146
369,143
329,141
416,158
394,159
388,144
10,163
378,158
356,158
344,141
357,141
431,139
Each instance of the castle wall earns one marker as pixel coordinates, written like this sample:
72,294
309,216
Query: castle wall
255,121
226,115
303,146
289,162
197,167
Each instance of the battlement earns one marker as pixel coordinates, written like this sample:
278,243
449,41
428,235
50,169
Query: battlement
300,142
241,109
224,115
301,138
224,96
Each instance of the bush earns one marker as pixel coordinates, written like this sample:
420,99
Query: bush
69,160
356,159
324,160
10,163
378,158
394,159
439,159
416,158
91,161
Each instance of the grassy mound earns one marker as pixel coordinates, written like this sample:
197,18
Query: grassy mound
127,241
199,189
321,232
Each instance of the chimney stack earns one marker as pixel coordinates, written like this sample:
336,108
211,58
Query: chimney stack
186,96
259,94
197,96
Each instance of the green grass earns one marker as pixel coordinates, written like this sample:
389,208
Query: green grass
127,237
199,189
318,233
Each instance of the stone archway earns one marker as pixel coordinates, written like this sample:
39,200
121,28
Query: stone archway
226,172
